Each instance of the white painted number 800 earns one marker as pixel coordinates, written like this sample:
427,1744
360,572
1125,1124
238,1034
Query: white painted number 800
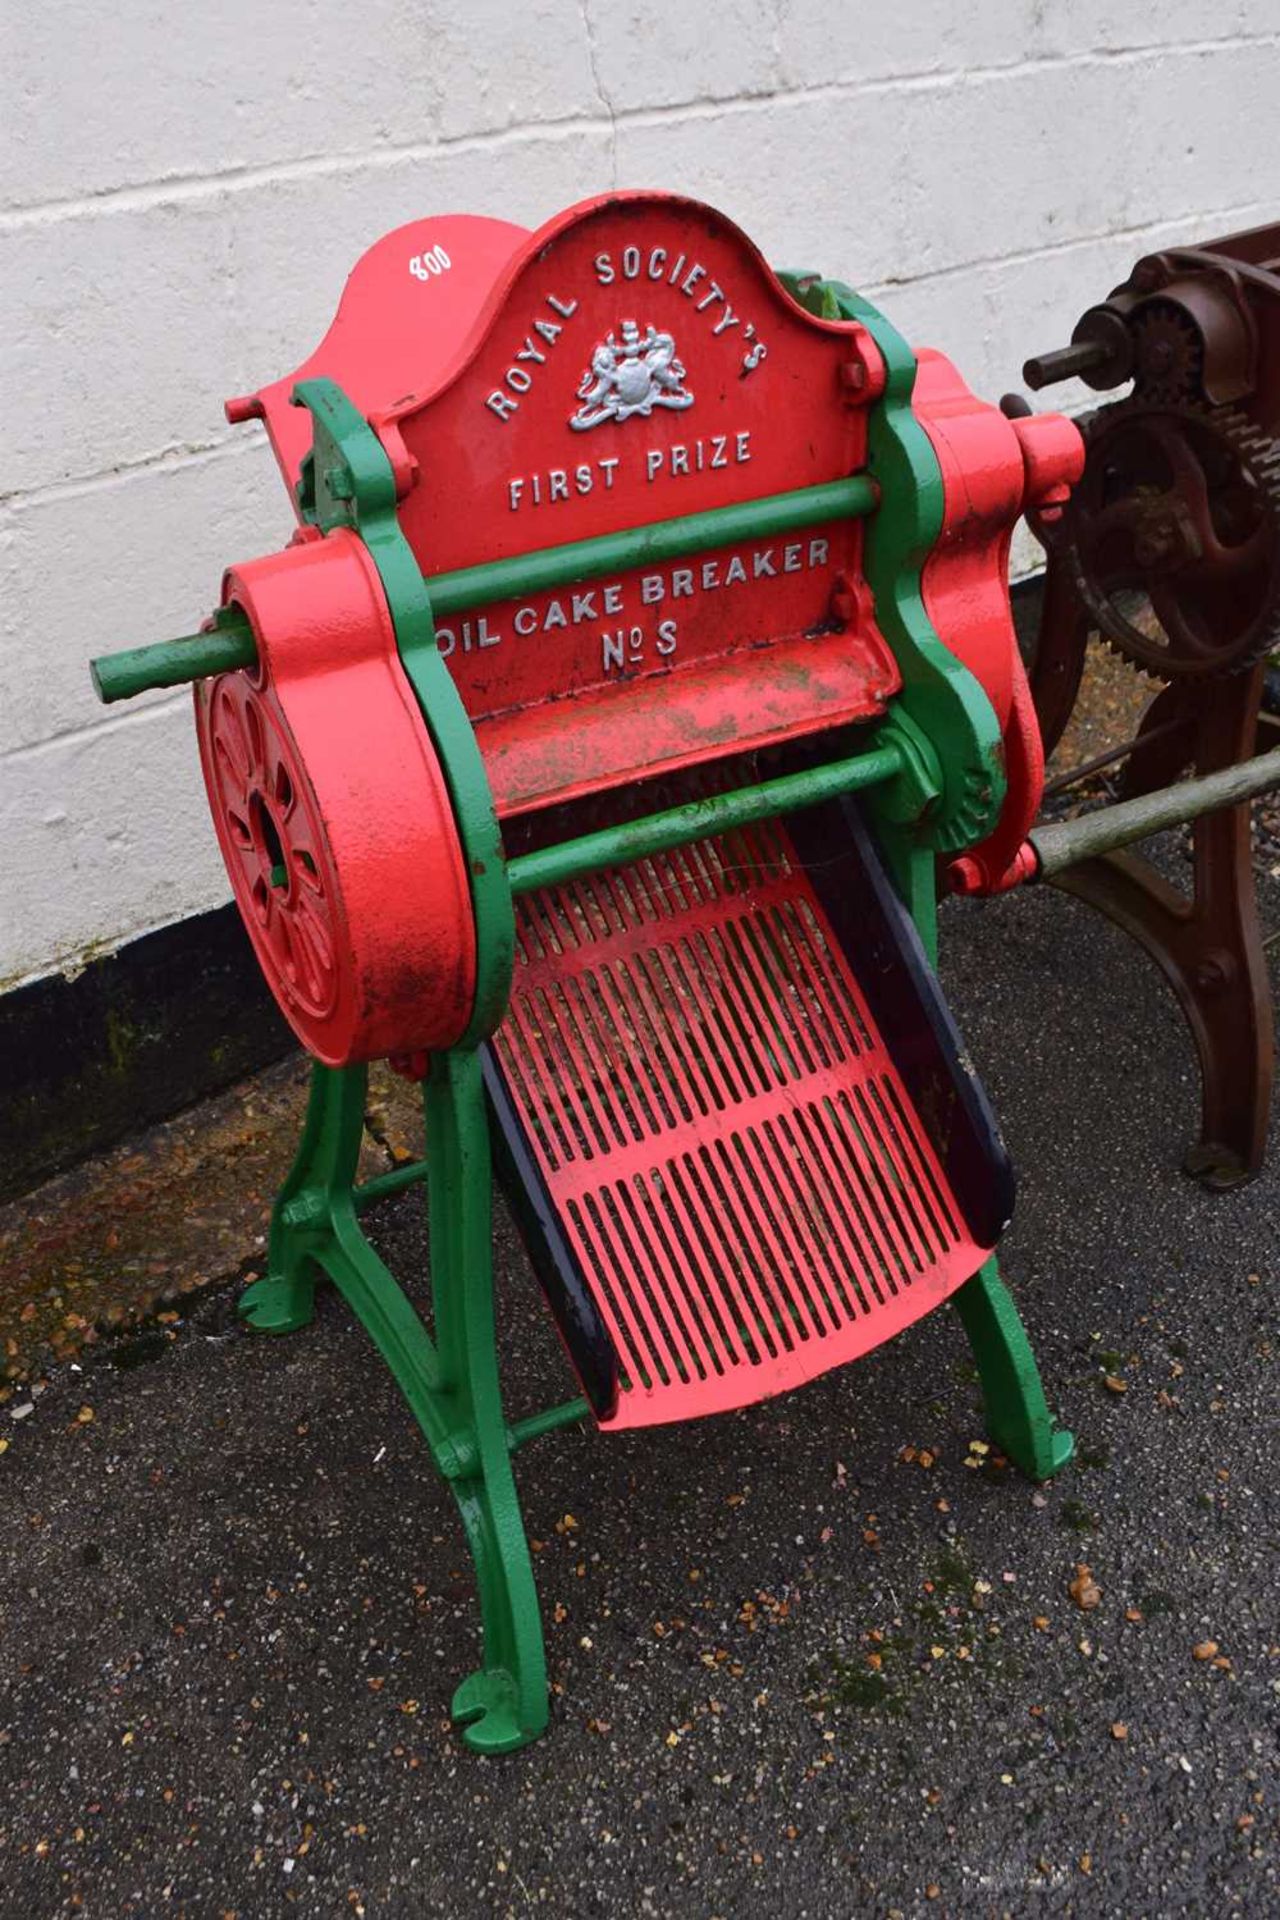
425,266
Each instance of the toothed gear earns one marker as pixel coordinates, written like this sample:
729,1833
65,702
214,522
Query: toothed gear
1182,504
1168,354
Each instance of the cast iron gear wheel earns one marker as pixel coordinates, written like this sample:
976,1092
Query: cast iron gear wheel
1180,504
1168,353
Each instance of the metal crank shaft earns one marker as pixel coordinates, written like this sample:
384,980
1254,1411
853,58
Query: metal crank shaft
1068,842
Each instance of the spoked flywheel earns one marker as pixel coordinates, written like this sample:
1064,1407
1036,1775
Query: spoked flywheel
1179,505
286,884
333,812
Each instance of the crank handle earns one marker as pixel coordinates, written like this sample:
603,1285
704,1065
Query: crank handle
171,663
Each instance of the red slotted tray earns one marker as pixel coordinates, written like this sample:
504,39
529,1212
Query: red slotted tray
733,1156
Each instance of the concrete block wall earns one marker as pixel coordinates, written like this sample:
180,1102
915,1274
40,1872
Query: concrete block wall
183,189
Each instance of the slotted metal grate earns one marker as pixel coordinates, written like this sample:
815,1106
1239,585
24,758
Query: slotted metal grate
731,1151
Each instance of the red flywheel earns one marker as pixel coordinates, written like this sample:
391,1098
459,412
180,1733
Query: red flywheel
333,814
289,886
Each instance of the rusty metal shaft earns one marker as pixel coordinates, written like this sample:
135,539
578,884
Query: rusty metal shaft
1068,842
1063,363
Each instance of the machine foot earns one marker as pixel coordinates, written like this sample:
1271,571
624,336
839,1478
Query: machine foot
278,1304
485,1707
1216,1167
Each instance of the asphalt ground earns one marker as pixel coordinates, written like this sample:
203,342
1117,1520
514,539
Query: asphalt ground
818,1658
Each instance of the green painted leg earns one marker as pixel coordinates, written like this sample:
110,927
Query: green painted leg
1018,1416
507,1698
301,1220
451,1388
504,1704
506,1701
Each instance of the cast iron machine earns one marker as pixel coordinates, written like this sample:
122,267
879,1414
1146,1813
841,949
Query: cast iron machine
1170,550
591,751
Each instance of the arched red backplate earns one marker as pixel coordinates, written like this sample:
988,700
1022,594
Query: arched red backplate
637,362
407,309
992,470
333,815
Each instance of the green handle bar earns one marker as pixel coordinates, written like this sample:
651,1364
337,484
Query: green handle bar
171,663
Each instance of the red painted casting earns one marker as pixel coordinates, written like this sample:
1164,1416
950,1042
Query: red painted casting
523,438
634,360
638,361
993,470
407,308
332,813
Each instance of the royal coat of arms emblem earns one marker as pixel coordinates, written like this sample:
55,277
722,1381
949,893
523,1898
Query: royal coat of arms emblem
631,376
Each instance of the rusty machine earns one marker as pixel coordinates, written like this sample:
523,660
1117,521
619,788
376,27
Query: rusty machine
642,656
1170,550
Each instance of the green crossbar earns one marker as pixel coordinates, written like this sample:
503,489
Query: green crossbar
716,813
230,646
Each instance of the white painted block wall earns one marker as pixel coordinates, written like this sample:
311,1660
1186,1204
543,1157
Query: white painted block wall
183,189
